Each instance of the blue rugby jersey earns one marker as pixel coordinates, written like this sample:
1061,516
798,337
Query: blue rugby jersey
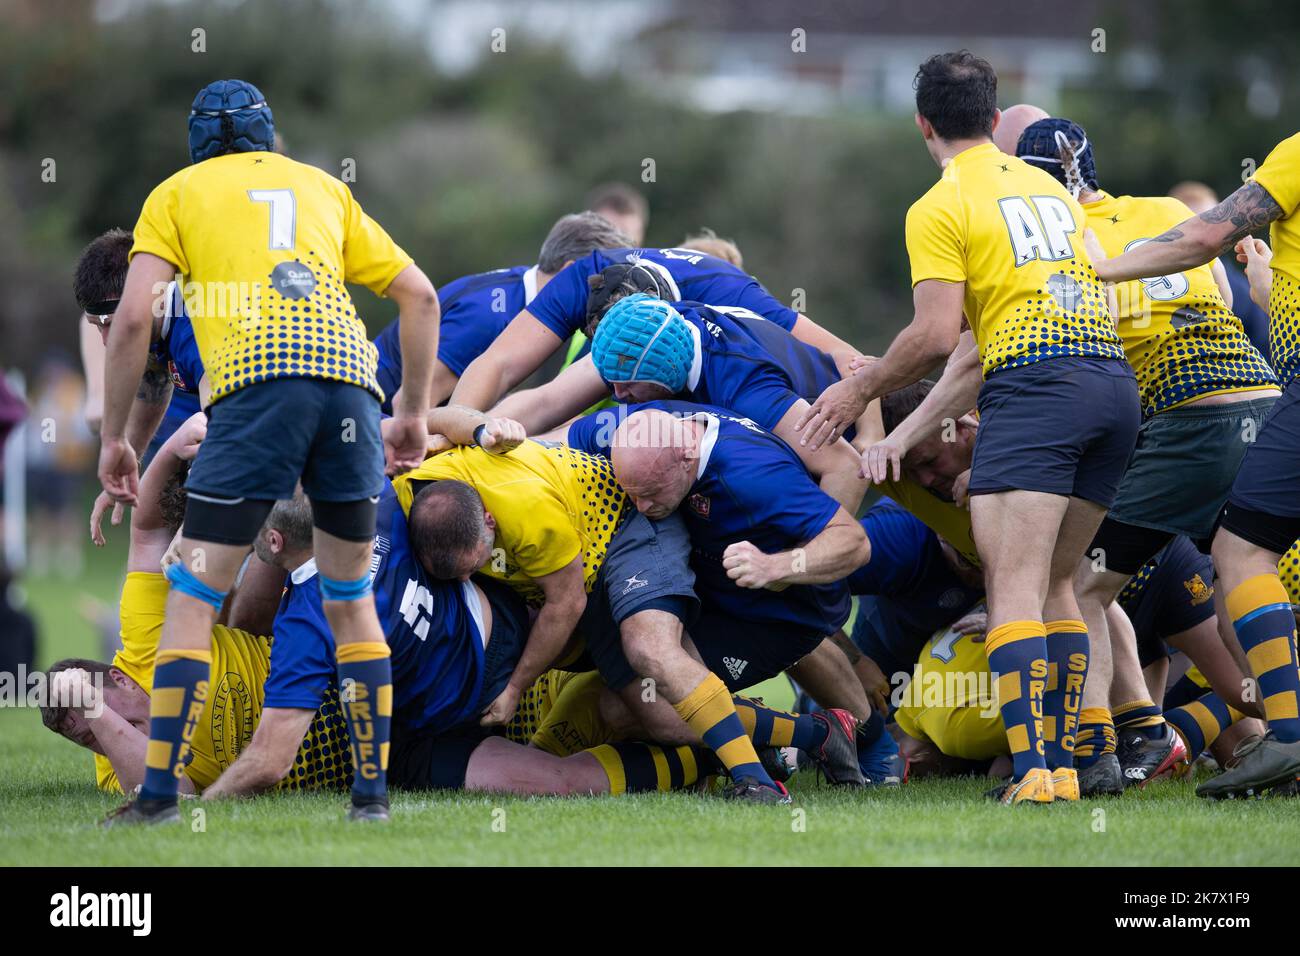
750,486
690,275
908,571
434,631
475,310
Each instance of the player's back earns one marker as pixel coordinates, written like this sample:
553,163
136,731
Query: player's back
265,245
1179,334
1014,236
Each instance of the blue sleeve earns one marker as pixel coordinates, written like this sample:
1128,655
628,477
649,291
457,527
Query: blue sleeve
754,297
562,305
184,351
751,389
594,433
302,651
465,333
899,544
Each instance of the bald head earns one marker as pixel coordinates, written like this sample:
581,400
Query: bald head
1198,197
654,455
1015,120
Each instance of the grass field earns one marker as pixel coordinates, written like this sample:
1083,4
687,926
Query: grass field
49,806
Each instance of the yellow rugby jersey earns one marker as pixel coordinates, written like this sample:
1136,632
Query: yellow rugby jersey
942,517
551,503
1288,569
264,245
1280,176
1014,236
1179,335
240,664
951,700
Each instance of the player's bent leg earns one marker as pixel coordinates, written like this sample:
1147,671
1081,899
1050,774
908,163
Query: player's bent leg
828,677
498,765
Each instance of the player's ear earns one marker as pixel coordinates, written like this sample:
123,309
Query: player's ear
923,124
118,677
489,522
997,118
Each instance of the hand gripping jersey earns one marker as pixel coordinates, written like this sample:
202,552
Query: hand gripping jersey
1280,176
1014,236
434,631
686,274
1179,335
750,486
475,310
551,503
265,245
236,688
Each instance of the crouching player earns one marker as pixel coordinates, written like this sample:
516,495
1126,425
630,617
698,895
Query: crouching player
270,242
115,724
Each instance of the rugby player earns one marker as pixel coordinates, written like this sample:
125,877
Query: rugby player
561,310
477,308
1202,386
623,207
772,562
1002,243
1261,519
115,724
293,395
647,349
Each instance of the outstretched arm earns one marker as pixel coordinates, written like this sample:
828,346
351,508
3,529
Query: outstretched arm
546,406
150,536
515,354
1195,241
417,304
269,755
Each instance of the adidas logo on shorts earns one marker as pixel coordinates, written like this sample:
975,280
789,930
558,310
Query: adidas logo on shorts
735,666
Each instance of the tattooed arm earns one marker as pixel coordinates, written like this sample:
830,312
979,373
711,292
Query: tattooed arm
1196,241
150,405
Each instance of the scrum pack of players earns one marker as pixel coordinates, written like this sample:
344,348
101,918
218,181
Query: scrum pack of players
563,589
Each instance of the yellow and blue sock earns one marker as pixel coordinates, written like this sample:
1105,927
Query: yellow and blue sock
1261,615
1199,722
1095,738
1017,653
1140,716
366,697
635,767
708,710
180,689
769,727
1067,669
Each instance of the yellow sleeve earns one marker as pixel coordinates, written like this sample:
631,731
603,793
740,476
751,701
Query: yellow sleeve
156,231
935,239
370,257
105,776
143,605
1280,174
942,517
1288,569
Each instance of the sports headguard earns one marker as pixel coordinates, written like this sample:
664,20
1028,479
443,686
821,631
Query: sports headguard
1060,147
616,281
230,116
644,339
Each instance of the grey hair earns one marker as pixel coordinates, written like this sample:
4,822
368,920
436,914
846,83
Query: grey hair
576,235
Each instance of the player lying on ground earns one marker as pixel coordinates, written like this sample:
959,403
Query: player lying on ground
118,731
1261,518
553,523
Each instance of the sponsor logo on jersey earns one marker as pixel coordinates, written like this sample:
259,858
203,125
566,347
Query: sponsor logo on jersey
700,504
1198,589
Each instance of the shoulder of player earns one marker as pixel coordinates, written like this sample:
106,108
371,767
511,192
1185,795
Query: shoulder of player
455,291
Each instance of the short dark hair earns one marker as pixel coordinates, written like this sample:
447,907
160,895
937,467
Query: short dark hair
576,235
292,517
171,502
958,94
101,270
52,716
619,198
898,404
445,521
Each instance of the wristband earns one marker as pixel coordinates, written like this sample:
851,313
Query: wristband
478,434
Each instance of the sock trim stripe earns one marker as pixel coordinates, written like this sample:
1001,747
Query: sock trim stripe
1065,627
1266,609
361,651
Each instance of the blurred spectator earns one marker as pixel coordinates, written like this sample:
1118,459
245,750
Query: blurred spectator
623,206
1199,197
12,411
17,629
711,244
60,454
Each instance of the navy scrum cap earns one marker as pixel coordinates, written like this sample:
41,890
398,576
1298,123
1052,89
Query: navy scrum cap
1060,147
230,116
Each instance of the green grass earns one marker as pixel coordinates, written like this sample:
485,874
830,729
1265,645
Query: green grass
49,806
